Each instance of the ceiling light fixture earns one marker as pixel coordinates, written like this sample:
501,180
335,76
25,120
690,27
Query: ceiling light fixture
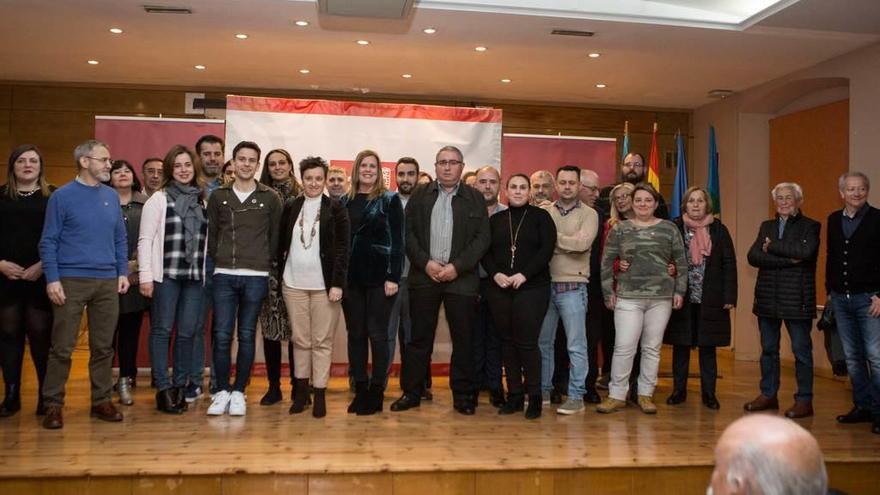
304,71
601,85
505,80
241,36
594,55
302,23
406,76
362,42
481,48
200,67
93,62
115,30
429,30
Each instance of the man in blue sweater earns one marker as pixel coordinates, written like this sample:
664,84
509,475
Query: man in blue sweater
85,258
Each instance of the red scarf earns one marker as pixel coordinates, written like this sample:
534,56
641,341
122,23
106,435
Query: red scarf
701,244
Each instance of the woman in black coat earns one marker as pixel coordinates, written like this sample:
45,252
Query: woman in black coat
704,320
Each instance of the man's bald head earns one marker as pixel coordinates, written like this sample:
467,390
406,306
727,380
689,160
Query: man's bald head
589,192
762,454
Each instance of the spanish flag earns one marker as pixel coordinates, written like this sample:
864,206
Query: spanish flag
654,162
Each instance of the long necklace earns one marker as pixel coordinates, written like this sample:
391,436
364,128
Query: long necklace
302,230
514,235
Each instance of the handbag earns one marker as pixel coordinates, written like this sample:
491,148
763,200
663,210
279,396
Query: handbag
826,321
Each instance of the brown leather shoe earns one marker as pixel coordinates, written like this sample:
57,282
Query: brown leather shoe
53,419
800,409
107,412
762,403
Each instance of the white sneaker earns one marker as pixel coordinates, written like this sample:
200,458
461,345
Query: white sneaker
237,405
219,404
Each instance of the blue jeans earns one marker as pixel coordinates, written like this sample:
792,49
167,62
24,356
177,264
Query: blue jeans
197,371
398,322
242,296
801,347
487,344
860,335
571,306
174,302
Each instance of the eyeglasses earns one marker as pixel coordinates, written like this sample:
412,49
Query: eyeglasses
448,163
108,160
590,188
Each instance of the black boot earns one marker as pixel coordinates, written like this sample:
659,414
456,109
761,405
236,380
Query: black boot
180,398
360,398
293,391
319,410
515,403
12,401
41,408
300,396
496,397
165,401
373,402
273,395
534,409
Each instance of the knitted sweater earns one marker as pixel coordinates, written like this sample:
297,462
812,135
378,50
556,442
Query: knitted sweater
574,238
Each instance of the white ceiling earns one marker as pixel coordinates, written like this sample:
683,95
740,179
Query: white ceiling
642,64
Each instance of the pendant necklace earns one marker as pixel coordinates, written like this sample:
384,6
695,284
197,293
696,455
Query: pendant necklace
302,230
514,235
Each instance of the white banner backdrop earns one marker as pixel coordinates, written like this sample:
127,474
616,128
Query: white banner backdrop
337,131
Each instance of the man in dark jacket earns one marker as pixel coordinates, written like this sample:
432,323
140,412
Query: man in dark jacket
852,278
785,254
447,232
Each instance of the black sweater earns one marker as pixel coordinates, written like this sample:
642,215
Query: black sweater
21,224
534,244
851,265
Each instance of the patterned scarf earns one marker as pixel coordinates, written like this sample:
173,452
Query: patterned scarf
701,244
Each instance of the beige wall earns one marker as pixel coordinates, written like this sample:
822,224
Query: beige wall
743,137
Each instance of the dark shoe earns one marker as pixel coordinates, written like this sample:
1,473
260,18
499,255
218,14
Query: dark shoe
465,407
105,411
710,401
875,428
165,402
534,409
53,420
373,401
273,396
319,409
515,403
12,401
762,403
856,415
179,394
406,401
427,395
676,397
293,392
591,396
300,396
360,398
41,408
800,409
496,397
838,368
555,397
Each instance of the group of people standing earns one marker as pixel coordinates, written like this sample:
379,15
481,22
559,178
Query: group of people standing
291,258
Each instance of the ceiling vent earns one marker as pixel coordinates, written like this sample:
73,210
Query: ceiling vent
572,32
162,9
388,9
720,93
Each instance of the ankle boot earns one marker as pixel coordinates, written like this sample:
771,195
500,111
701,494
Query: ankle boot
300,395
12,401
41,407
180,398
123,388
273,395
515,403
319,409
293,392
534,409
360,398
372,402
165,402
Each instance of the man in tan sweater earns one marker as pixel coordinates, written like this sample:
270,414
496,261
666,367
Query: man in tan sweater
576,227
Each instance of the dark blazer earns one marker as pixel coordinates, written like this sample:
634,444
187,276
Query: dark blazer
851,265
377,244
333,239
786,286
719,288
470,236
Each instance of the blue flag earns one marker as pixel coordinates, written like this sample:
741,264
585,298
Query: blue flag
713,186
681,179
625,148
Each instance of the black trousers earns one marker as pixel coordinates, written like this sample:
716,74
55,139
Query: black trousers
595,329
561,362
367,311
125,341
518,314
681,359
424,303
272,354
25,318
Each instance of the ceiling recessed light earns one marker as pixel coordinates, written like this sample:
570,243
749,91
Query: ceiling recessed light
302,23
429,30
200,67
241,36
406,76
505,80
594,55
93,62
304,71
115,30
481,48
362,42
600,85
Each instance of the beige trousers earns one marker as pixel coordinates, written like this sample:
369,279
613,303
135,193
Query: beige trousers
313,320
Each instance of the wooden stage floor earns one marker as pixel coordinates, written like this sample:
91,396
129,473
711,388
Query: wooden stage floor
428,450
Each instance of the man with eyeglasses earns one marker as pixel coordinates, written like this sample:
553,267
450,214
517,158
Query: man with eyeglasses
633,170
447,233
84,250
152,172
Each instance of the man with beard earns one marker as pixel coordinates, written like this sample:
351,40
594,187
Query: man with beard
210,151
84,250
487,342
541,192
633,170
337,183
152,172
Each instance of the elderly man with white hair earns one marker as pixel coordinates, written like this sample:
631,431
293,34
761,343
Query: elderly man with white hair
767,455
785,254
